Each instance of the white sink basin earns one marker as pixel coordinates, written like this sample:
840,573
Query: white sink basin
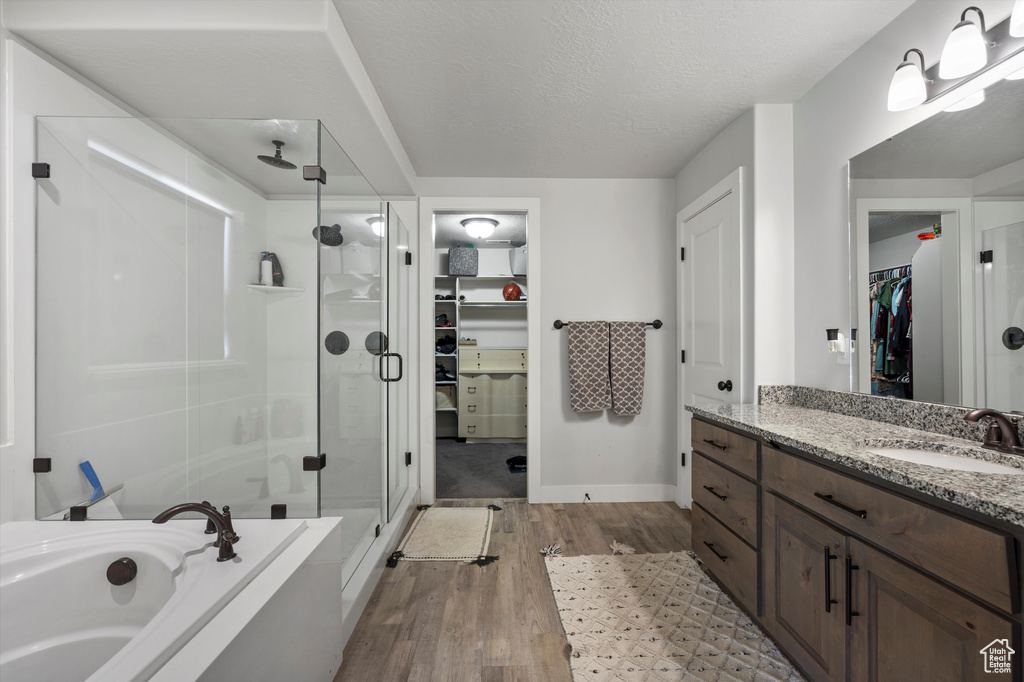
945,460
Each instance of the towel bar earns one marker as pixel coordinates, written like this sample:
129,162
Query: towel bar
657,324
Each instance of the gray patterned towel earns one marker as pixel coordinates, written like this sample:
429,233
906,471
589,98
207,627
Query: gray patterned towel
589,388
628,356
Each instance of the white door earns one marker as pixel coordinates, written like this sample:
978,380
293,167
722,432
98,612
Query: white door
710,302
1000,237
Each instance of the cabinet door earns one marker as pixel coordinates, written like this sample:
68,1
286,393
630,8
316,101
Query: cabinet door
906,626
803,589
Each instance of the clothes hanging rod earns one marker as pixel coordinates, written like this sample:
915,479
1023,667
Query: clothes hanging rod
657,324
897,267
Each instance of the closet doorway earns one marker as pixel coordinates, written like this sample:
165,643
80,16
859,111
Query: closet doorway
478,278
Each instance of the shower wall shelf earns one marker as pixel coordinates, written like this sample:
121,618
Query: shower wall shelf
274,291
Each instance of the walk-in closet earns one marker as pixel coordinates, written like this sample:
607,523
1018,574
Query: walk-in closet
480,354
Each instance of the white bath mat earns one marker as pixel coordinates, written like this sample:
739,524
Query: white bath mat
448,534
657,617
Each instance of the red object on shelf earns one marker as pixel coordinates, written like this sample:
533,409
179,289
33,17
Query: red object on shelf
511,292
926,235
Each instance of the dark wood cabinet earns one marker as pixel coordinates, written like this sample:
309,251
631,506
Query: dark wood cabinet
906,626
804,589
857,579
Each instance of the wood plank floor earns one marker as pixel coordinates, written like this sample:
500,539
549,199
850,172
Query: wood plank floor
455,622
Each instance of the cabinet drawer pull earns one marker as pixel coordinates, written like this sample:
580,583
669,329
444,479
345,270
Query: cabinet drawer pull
716,445
471,389
712,491
850,568
715,551
471,408
862,513
829,601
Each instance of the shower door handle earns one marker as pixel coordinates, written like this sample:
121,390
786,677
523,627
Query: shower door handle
380,367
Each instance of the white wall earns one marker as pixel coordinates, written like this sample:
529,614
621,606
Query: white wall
607,254
842,115
893,252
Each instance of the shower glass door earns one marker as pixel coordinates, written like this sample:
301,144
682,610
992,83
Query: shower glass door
353,343
164,372
396,373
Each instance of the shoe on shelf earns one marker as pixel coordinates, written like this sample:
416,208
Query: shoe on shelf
442,374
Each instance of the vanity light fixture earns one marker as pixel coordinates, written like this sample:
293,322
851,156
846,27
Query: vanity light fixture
966,49
376,224
479,228
970,51
1017,20
972,100
907,88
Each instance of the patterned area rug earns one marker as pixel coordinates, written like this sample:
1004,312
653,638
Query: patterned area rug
448,534
645,617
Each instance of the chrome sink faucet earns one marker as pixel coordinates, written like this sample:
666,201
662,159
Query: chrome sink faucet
225,534
1004,438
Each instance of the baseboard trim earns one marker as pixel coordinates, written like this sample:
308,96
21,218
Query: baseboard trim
655,492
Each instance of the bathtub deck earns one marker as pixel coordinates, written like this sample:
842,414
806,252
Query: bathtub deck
447,621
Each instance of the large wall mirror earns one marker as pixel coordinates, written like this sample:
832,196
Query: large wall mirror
937,258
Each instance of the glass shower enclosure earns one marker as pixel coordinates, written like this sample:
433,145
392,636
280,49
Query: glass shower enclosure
168,371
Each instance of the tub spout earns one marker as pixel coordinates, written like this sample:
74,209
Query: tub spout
225,535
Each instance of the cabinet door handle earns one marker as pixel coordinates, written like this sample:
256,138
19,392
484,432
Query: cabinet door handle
716,445
715,551
862,513
850,568
829,601
712,491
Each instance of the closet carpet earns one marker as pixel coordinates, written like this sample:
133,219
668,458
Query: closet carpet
470,470
446,621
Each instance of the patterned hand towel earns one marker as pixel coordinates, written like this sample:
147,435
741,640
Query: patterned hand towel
628,341
589,389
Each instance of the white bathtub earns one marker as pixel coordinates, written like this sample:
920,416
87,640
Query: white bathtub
60,619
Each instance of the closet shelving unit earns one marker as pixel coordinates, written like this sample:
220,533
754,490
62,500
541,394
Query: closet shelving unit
490,286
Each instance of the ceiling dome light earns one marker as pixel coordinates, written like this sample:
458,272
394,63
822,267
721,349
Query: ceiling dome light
968,102
479,228
907,88
376,224
1017,20
966,49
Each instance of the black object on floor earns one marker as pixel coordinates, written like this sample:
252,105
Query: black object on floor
469,470
517,464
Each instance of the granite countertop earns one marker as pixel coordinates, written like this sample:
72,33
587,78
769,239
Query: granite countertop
841,439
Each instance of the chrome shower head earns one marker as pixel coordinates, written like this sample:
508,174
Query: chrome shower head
276,161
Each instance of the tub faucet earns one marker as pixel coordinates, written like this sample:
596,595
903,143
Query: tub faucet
1008,441
225,536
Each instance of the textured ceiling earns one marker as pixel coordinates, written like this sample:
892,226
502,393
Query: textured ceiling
591,88
449,232
887,225
960,144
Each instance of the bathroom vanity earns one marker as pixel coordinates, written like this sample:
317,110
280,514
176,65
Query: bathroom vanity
860,565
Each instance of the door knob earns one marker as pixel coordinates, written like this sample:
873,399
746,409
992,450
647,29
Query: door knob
725,385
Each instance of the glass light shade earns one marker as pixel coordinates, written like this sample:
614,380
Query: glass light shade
907,88
1017,20
964,52
479,228
972,100
377,225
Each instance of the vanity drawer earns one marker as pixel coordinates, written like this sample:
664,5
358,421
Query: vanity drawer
725,555
727,447
731,498
974,558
